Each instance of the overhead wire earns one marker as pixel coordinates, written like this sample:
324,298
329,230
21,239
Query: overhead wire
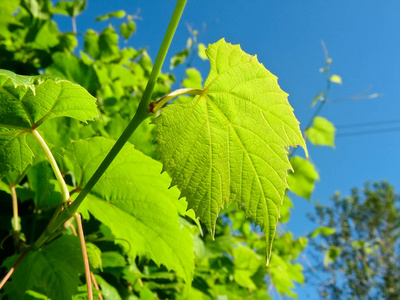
368,124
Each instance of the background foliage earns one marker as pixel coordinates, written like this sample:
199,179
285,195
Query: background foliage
124,264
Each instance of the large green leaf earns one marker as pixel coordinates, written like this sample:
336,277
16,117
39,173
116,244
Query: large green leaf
132,198
53,270
28,101
230,143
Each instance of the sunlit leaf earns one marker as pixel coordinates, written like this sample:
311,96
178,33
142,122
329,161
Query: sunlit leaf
321,133
202,51
336,79
317,98
322,230
179,58
331,255
115,14
132,198
230,143
70,8
127,29
28,101
247,263
302,180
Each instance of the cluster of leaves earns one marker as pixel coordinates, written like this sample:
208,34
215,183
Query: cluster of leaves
142,242
361,258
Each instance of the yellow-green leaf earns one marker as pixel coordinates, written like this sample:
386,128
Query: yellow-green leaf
322,133
230,143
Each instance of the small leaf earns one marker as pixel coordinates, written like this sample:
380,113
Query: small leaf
127,29
202,51
331,255
108,44
336,79
229,144
115,14
91,44
179,58
70,8
324,230
302,180
94,256
193,79
317,98
322,133
133,191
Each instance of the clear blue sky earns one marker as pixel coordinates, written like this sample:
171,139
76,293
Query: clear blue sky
363,39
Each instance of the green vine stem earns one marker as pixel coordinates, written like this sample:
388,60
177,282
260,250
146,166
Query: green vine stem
63,186
81,235
141,114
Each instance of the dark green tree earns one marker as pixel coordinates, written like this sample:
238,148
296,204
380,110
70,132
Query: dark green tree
361,255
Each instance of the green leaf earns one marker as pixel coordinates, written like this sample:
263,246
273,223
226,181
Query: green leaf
53,270
336,79
132,198
108,44
230,143
302,180
15,154
202,51
127,29
331,255
247,263
28,101
70,8
108,291
91,44
317,98
284,274
324,230
322,133
7,12
179,58
193,79
70,67
38,178
285,209
115,14
94,256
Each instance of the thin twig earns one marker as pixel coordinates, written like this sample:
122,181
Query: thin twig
96,286
78,220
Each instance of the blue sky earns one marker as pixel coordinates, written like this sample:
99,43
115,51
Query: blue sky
363,39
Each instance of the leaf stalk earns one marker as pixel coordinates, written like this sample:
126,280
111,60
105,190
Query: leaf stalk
63,186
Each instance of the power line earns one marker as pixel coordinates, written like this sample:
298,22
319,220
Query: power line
368,132
368,124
